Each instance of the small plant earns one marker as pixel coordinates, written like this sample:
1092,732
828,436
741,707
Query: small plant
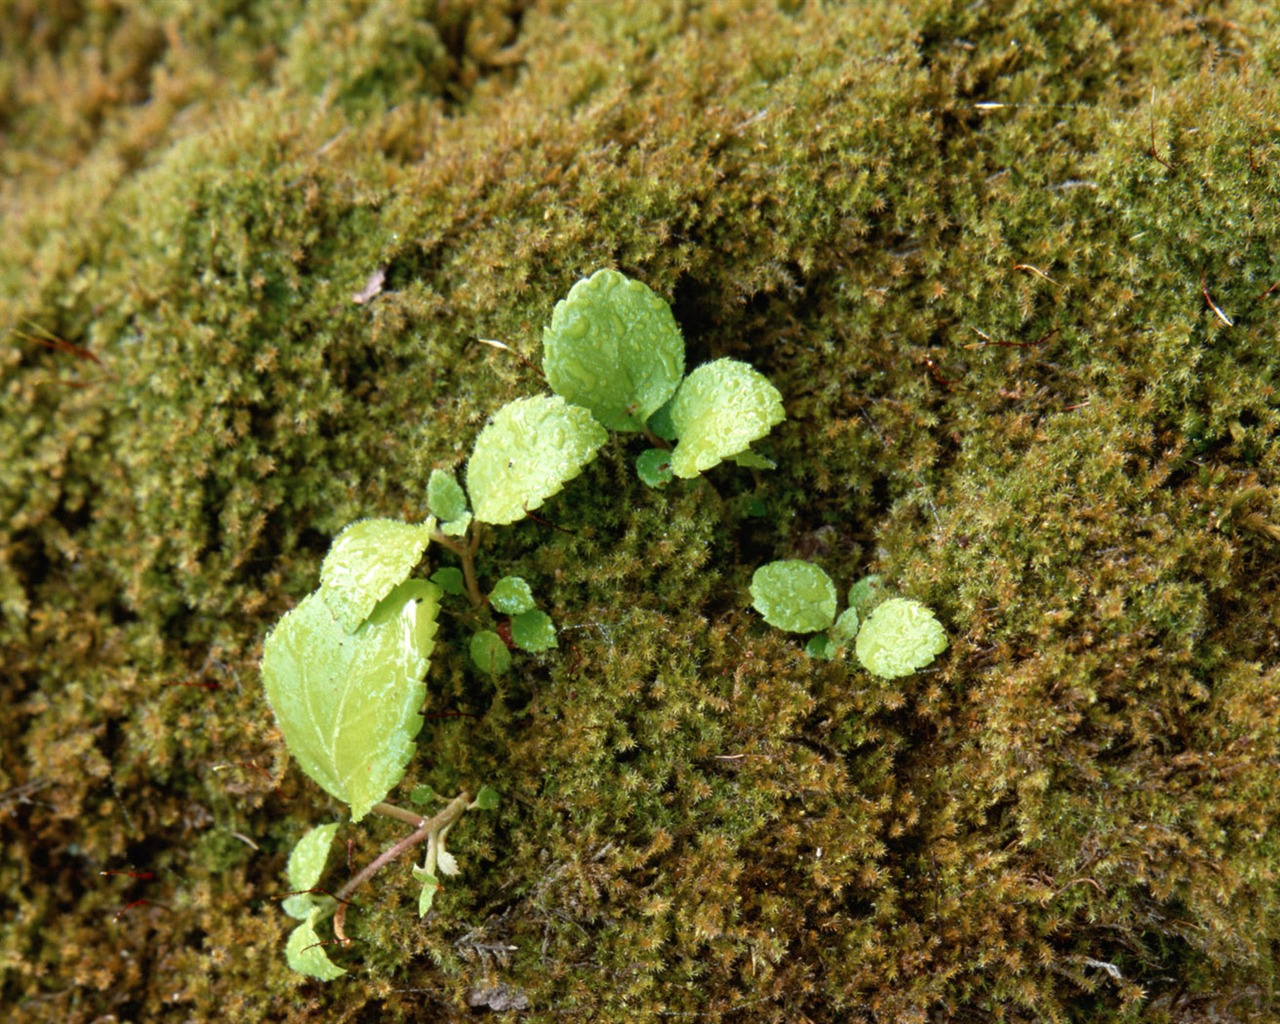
897,636
344,671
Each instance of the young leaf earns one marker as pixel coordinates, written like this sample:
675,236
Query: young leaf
306,862
719,410
348,704
450,580
866,594
900,637
613,347
486,799
529,450
794,595
846,627
429,886
366,560
511,596
307,956
445,496
533,631
653,466
456,527
489,653
821,646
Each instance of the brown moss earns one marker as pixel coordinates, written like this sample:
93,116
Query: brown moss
1019,308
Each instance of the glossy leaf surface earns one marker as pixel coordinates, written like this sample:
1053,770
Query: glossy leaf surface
719,410
366,561
511,595
526,454
348,703
613,347
900,637
533,631
794,595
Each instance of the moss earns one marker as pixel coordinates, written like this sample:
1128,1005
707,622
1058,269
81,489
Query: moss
1010,267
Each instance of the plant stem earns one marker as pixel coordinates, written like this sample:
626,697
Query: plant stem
466,552
392,811
469,565
425,830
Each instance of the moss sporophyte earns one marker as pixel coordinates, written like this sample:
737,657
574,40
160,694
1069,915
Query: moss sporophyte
345,670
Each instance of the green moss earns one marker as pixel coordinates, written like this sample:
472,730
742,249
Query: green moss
983,263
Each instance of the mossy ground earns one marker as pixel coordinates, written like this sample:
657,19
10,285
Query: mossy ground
1013,267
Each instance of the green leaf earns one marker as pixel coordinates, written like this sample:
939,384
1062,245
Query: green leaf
450,580
445,496
794,595
653,466
301,905
529,450
719,410
307,956
486,800
348,703
456,527
821,646
533,631
511,596
489,653
429,886
660,422
306,862
846,627
866,594
613,347
424,794
366,560
900,637
753,460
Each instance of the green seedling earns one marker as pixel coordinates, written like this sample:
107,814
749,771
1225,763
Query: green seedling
898,637
345,671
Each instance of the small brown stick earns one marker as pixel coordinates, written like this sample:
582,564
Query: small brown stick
1204,289
1154,155
502,347
1010,344
1040,273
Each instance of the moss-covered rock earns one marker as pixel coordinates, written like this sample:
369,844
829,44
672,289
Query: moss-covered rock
1011,267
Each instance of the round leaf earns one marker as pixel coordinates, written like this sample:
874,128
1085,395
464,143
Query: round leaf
366,560
511,596
794,595
348,703
653,466
533,631
900,637
489,653
613,347
719,410
526,453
